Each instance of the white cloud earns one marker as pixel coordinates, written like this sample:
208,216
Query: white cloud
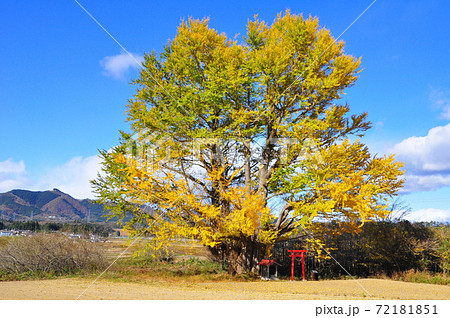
11,167
441,100
428,215
379,124
427,159
117,66
13,175
73,177
427,154
426,183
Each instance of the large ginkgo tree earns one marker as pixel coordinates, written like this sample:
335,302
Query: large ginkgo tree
239,143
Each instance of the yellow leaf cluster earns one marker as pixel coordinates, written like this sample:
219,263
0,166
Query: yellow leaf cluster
183,213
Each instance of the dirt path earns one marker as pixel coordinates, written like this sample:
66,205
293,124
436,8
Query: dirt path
71,288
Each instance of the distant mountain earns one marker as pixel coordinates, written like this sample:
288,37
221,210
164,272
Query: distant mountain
48,206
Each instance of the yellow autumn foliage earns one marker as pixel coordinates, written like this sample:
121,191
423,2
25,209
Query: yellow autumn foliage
189,168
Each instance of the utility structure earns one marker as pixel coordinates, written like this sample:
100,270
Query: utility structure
293,255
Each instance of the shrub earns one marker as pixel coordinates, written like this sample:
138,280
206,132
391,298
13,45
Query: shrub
422,277
442,235
49,254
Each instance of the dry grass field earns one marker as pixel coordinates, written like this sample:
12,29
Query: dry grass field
71,288
191,276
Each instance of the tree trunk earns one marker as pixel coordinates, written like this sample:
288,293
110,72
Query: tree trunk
241,256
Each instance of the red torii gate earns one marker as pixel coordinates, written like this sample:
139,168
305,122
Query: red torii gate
294,254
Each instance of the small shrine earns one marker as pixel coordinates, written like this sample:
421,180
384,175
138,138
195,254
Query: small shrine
268,269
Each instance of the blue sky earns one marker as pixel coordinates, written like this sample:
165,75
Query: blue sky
64,82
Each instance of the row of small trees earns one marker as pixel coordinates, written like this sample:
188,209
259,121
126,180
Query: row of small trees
385,247
83,228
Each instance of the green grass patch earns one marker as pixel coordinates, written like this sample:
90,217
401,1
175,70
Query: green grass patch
191,270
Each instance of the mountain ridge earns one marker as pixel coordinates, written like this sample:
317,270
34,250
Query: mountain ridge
50,205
